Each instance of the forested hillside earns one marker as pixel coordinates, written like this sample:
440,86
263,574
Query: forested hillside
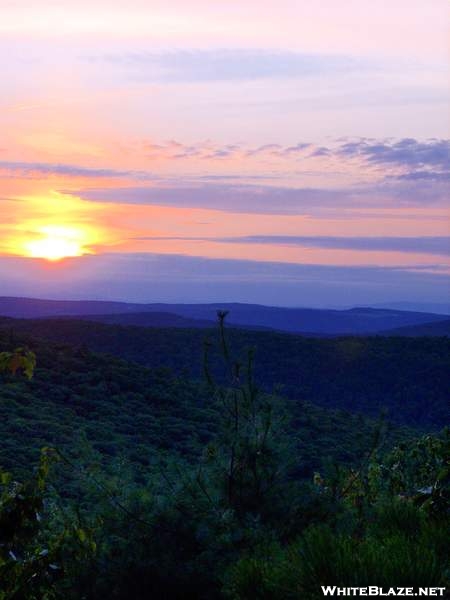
120,480
407,377
120,409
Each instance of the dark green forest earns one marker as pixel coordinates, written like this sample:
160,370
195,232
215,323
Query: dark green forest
407,377
144,463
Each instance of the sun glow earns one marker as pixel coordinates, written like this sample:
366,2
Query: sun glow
56,242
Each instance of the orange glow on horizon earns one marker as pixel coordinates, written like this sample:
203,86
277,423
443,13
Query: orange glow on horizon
54,226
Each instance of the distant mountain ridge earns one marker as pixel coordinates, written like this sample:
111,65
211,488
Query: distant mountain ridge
355,321
438,308
146,319
439,328
156,319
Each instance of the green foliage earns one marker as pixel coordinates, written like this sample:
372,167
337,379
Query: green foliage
32,560
246,458
389,557
20,359
374,534
122,411
421,471
173,489
409,377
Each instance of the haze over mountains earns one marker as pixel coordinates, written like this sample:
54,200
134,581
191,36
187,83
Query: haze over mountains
321,322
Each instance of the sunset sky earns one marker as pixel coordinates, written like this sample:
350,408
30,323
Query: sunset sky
285,152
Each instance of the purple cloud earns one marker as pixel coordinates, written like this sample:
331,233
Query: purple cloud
406,152
436,245
270,199
27,169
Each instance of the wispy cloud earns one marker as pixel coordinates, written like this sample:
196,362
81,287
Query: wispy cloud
406,152
32,169
210,150
436,245
417,159
228,64
425,176
270,199
404,158
376,173
222,197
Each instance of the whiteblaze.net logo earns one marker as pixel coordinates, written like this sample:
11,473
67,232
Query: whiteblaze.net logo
373,590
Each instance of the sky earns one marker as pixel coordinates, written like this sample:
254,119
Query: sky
284,152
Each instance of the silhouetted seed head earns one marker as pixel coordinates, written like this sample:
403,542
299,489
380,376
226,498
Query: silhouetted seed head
221,315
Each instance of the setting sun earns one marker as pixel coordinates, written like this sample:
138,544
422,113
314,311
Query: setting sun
55,243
